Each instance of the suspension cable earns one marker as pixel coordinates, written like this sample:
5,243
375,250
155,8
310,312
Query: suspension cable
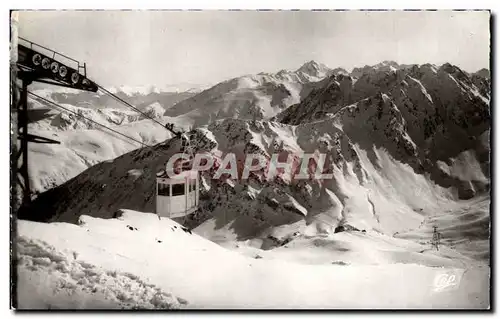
86,118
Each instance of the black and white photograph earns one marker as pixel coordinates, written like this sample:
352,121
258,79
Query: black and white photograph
250,159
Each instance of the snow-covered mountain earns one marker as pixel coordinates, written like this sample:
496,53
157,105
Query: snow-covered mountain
484,73
259,96
146,90
140,97
384,66
482,81
313,71
409,115
256,96
381,149
422,107
85,143
408,147
366,192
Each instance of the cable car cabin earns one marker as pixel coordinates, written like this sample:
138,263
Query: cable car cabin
177,196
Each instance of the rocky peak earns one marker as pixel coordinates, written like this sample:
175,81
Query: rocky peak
313,68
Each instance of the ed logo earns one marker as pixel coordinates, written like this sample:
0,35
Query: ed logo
447,279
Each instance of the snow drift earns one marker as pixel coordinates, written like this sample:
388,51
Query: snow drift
104,264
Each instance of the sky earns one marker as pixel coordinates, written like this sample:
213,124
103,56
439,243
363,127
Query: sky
190,48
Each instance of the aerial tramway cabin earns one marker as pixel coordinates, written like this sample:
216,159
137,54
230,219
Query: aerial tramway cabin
177,196
177,193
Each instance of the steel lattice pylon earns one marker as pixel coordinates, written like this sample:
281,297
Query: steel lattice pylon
436,238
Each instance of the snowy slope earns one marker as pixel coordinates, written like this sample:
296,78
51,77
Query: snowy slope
54,164
464,227
102,263
259,96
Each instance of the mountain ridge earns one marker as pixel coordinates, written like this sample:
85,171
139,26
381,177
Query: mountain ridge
390,143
